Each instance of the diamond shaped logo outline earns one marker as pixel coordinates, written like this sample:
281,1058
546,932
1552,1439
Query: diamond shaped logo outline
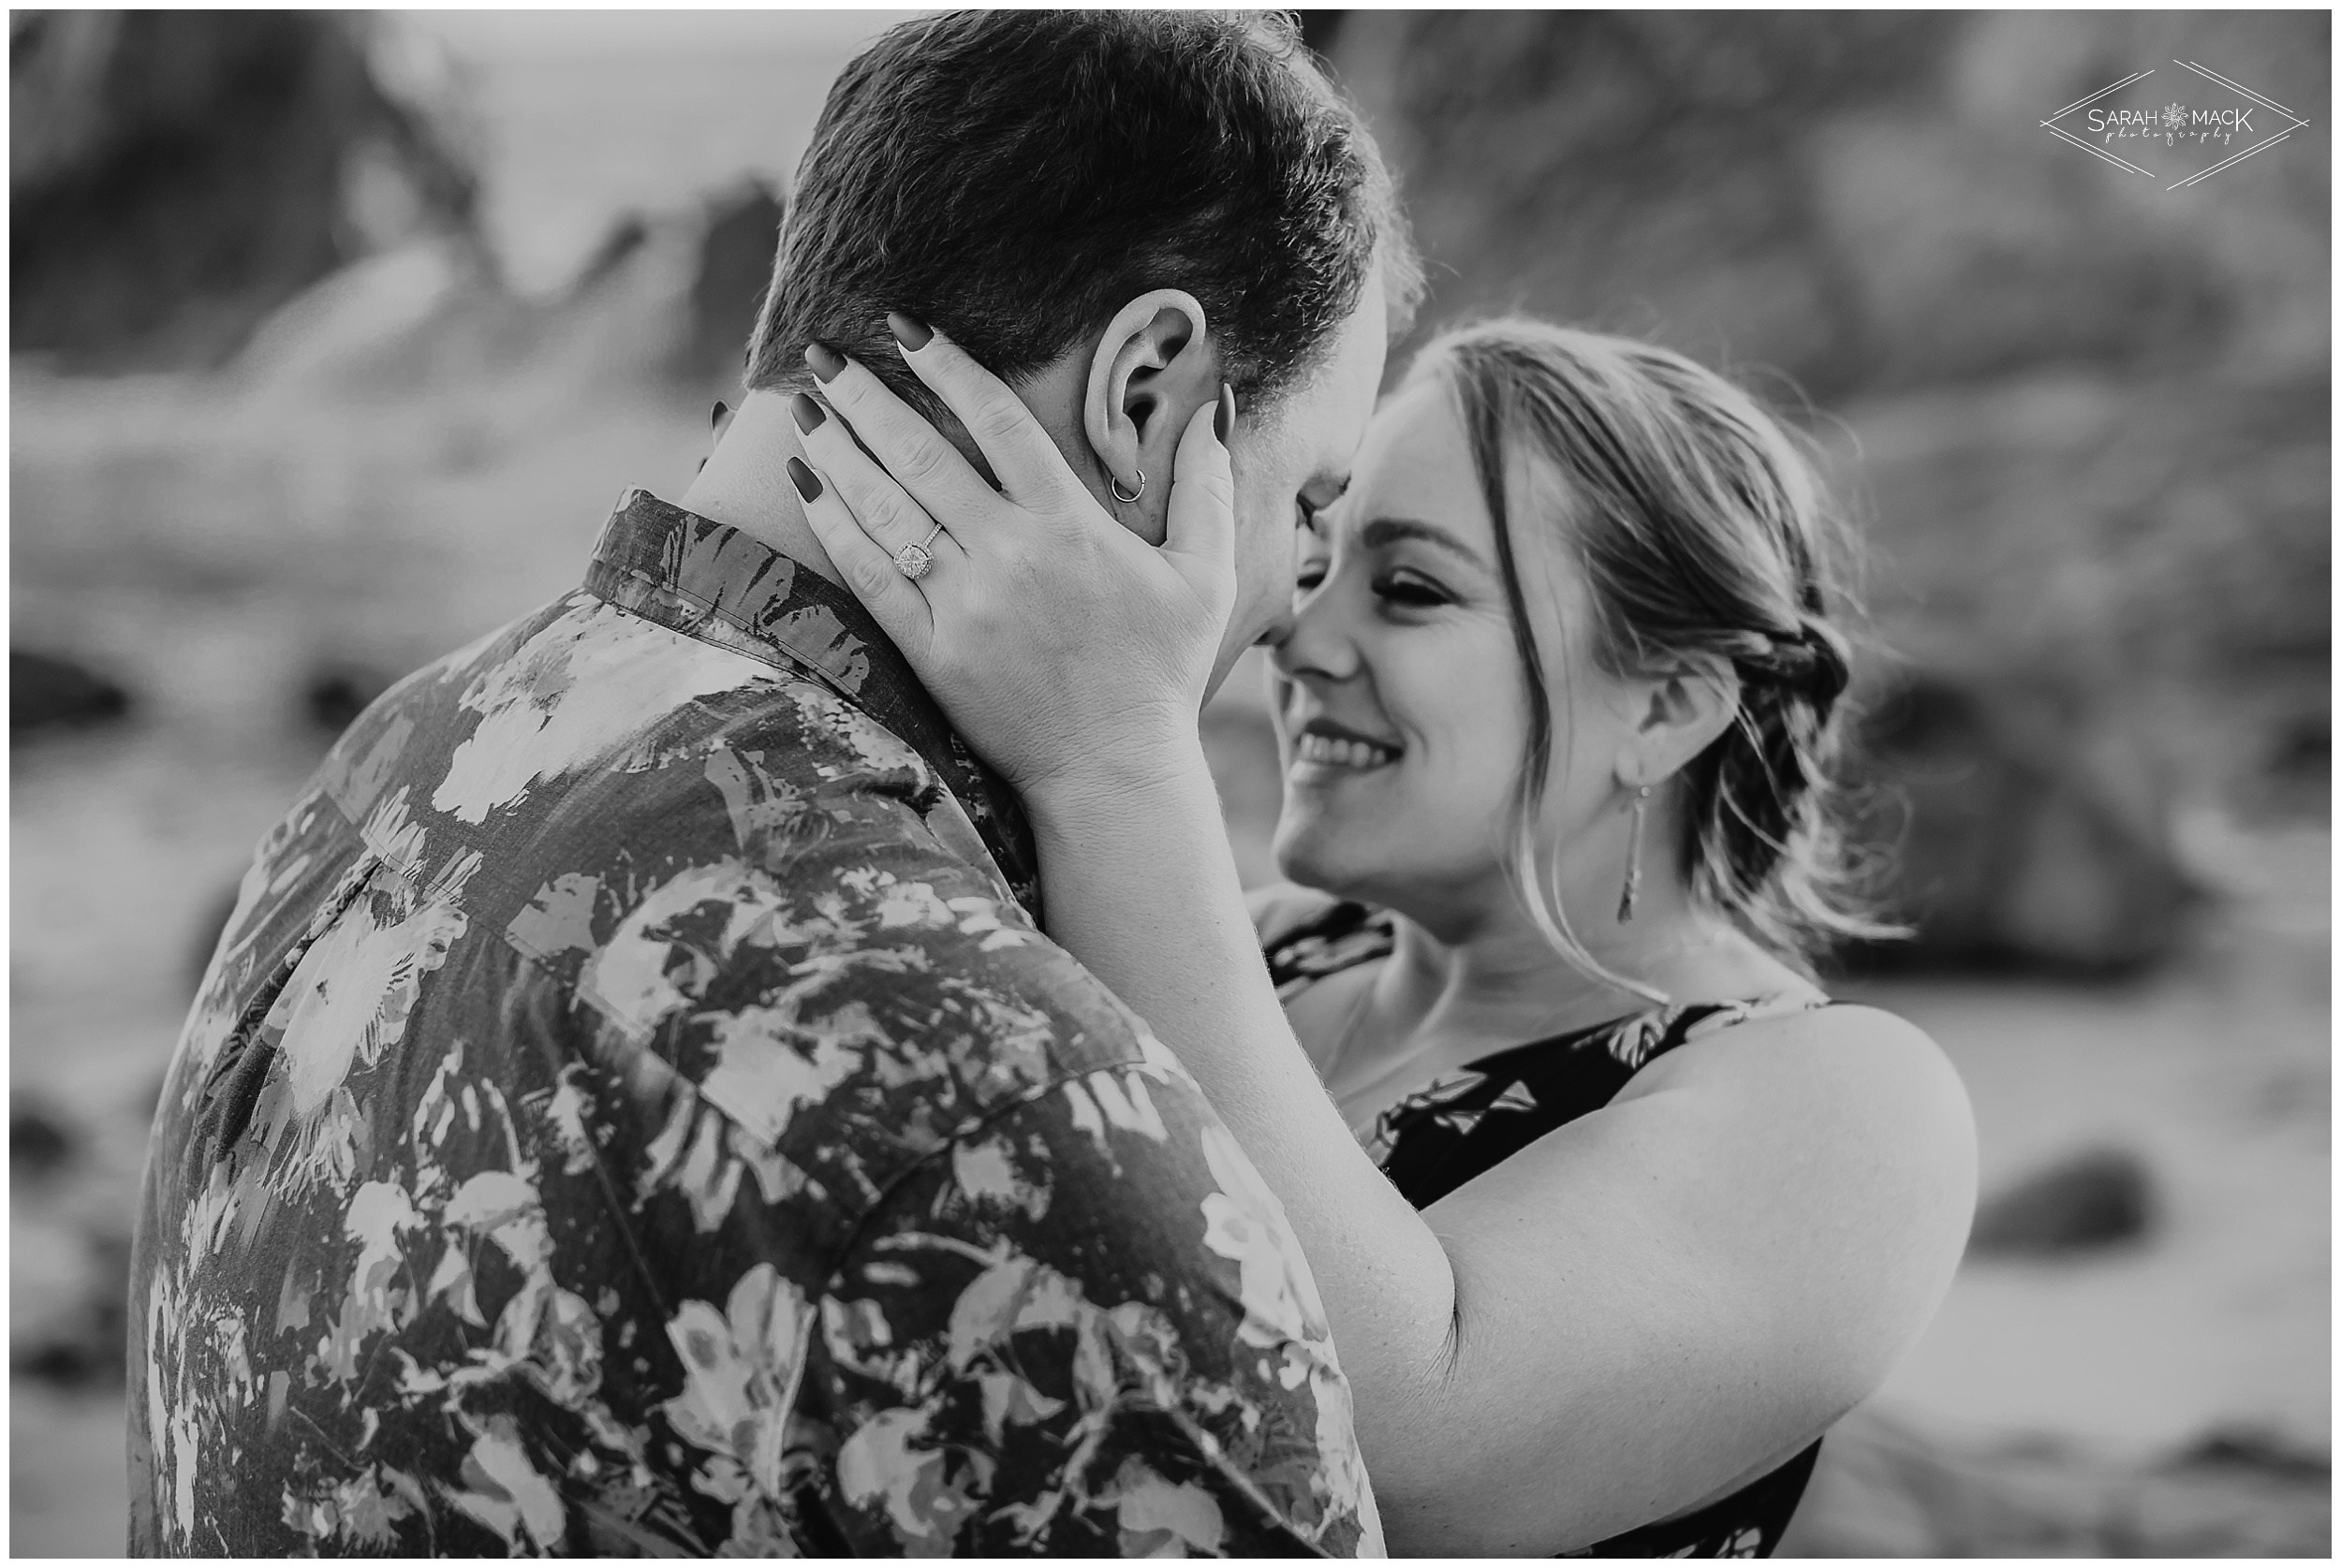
2292,123
2061,134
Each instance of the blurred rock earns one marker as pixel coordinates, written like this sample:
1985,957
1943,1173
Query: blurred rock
625,237
2300,764
1889,1486
176,175
39,1143
2256,1451
336,693
2084,424
1860,199
2153,549
46,692
67,1293
379,327
667,298
2018,829
735,266
2101,1198
1642,172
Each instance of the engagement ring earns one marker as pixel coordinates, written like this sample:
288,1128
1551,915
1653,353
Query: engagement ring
913,560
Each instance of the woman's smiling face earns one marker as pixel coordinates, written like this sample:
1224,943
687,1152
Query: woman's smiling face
1401,709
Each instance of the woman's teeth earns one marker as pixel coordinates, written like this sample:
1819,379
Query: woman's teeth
1342,753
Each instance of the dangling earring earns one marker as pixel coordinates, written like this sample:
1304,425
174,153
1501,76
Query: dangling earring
1633,858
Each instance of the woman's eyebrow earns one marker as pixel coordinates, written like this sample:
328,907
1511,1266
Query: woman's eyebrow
1390,531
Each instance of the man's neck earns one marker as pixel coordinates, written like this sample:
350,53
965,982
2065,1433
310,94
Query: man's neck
745,483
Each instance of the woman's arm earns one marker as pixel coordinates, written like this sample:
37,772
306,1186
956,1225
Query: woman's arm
1141,887
1649,1305
1644,1308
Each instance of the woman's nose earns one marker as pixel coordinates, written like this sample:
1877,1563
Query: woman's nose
1314,640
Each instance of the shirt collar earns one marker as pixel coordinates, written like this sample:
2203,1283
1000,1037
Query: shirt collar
712,582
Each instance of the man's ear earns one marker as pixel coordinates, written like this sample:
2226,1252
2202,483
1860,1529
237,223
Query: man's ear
1155,365
1682,711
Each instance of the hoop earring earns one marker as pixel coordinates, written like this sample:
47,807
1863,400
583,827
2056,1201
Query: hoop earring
1113,483
1633,858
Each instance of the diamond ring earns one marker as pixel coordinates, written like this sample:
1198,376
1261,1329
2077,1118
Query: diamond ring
914,561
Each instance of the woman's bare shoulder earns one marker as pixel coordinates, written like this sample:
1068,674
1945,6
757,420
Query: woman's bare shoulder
1827,1143
1787,1190
1861,1044
1872,1106
1874,1069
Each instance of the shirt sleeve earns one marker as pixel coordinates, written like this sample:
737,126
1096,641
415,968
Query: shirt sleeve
1086,1328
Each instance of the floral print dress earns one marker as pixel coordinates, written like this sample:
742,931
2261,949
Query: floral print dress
1470,1120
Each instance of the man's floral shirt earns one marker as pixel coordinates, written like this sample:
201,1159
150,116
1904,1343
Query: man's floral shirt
632,1109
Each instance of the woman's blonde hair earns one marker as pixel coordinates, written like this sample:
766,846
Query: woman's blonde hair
1703,530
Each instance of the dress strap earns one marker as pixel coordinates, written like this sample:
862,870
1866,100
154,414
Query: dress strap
1343,936
1641,1037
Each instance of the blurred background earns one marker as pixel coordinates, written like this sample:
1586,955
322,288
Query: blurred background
334,337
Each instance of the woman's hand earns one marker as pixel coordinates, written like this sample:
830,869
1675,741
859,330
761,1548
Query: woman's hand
1067,651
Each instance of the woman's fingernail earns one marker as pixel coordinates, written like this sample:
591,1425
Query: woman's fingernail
807,413
718,417
808,484
1223,422
825,361
912,335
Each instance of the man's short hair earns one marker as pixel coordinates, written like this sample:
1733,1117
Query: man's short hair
1016,177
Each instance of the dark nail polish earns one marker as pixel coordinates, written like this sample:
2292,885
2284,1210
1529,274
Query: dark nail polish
808,484
912,335
1223,422
807,413
721,409
825,361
